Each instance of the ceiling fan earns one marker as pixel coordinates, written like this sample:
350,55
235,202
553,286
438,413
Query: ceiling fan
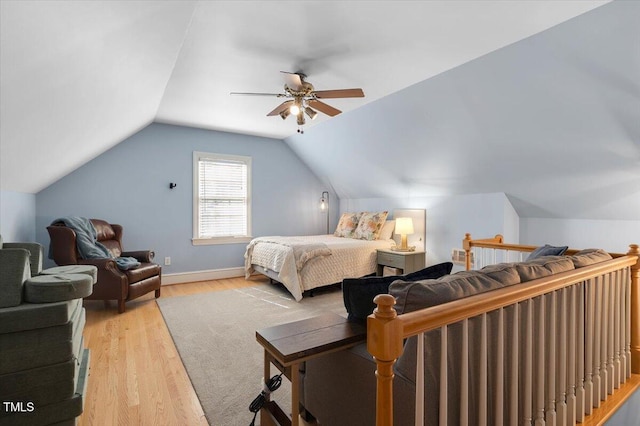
303,99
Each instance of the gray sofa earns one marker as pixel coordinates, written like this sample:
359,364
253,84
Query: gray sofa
43,364
340,388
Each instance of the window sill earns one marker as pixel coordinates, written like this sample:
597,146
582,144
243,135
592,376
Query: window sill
220,240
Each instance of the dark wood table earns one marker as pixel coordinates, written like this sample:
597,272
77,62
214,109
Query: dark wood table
286,346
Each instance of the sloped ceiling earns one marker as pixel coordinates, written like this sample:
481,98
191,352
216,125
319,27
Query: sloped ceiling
553,121
77,77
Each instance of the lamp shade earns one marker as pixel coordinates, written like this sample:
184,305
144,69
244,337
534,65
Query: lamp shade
404,226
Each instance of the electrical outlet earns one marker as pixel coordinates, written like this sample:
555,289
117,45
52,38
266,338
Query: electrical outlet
167,261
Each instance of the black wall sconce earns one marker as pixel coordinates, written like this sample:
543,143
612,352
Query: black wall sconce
172,185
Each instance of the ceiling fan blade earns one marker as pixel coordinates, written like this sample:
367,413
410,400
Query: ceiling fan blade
322,107
342,93
279,95
292,80
280,108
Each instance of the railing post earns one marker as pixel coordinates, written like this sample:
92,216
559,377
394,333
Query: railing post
466,245
384,342
635,310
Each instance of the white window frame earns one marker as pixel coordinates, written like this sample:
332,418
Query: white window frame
197,240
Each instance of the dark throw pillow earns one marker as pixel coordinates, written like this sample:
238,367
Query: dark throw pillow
547,250
358,293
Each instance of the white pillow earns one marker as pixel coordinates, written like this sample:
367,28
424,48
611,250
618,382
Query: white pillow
387,230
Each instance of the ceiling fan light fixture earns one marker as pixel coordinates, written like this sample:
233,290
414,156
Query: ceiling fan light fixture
311,113
285,113
301,99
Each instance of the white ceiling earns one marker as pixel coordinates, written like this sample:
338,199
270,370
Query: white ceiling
78,77
553,121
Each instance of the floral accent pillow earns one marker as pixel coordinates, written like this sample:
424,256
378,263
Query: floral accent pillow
347,224
370,225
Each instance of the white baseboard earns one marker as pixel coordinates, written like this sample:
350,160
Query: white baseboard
212,274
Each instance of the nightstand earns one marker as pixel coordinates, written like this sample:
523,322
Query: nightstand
407,261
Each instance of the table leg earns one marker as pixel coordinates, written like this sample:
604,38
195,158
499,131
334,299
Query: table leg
265,418
295,394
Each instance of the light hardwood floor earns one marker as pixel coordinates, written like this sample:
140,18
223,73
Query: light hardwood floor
136,376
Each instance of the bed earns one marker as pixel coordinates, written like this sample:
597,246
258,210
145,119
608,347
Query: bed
303,263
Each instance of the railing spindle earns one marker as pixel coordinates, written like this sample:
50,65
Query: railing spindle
551,315
581,397
528,365
515,364
597,328
611,372
604,372
540,370
482,409
419,418
444,376
572,355
625,357
618,317
499,396
464,373
563,343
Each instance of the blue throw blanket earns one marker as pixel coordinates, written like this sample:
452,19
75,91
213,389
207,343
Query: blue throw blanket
88,245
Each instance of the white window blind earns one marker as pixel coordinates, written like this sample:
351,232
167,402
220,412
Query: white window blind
223,196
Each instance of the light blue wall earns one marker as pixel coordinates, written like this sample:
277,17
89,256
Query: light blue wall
449,217
611,235
17,216
129,185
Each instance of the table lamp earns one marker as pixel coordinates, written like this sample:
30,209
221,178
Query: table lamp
404,227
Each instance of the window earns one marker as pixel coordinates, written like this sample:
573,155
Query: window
221,198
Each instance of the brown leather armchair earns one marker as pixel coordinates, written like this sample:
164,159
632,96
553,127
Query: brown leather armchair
113,284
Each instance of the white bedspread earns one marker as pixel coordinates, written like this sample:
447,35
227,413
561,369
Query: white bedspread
301,264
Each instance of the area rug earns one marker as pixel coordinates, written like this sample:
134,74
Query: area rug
215,336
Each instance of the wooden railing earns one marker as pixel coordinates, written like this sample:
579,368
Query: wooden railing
562,344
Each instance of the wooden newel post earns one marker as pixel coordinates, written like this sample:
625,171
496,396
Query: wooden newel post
384,342
467,250
635,310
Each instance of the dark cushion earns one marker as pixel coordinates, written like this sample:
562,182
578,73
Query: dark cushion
358,293
506,273
144,271
104,231
412,296
543,267
547,250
